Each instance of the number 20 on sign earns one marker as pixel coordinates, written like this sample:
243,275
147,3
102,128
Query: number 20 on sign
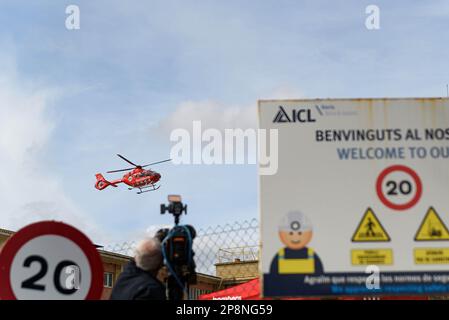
399,187
50,261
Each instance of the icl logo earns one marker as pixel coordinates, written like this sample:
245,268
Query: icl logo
297,115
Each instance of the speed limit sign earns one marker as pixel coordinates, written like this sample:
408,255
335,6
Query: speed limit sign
399,187
50,261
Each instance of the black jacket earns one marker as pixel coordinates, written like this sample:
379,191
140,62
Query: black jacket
136,284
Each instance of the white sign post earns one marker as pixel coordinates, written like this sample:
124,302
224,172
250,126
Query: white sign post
360,202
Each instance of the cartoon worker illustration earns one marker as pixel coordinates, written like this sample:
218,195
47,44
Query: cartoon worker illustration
295,231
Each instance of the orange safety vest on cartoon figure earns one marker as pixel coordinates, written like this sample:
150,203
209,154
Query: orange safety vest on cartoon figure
296,266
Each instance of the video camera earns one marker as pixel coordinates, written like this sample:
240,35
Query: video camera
177,249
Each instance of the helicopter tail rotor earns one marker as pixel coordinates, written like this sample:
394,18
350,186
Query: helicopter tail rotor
102,183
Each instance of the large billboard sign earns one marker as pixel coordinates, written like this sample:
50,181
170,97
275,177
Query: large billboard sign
360,202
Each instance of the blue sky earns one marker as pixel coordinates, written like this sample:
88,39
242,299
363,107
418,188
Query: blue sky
71,100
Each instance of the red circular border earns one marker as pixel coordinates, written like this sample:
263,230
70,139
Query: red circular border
388,203
34,230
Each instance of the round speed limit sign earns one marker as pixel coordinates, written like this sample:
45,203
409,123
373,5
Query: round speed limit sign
50,261
399,187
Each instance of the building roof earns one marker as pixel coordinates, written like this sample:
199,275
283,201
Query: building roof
113,255
103,253
6,232
237,262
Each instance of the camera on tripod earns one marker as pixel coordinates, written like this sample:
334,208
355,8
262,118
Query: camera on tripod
177,249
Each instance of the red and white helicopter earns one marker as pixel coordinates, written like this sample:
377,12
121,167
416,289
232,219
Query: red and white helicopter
137,178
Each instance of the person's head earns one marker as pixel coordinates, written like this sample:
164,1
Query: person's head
295,230
148,255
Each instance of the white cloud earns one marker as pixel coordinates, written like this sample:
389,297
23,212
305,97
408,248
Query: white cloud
29,191
212,115
217,115
284,92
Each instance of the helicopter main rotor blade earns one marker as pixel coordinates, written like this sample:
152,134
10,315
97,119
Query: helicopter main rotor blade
121,170
155,163
127,160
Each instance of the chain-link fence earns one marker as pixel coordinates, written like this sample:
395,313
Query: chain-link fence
226,260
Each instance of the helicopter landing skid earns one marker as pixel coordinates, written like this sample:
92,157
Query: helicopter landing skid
152,188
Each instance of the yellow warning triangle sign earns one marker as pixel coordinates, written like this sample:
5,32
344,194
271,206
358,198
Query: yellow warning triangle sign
370,229
432,228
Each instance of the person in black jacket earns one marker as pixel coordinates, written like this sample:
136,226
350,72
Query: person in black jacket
138,281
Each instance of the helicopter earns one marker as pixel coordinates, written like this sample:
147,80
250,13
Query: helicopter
137,178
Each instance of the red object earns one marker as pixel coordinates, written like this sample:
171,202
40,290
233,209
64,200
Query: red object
137,178
251,291
246,291
387,202
28,233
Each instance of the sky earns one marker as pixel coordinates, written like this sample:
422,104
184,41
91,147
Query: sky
70,100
